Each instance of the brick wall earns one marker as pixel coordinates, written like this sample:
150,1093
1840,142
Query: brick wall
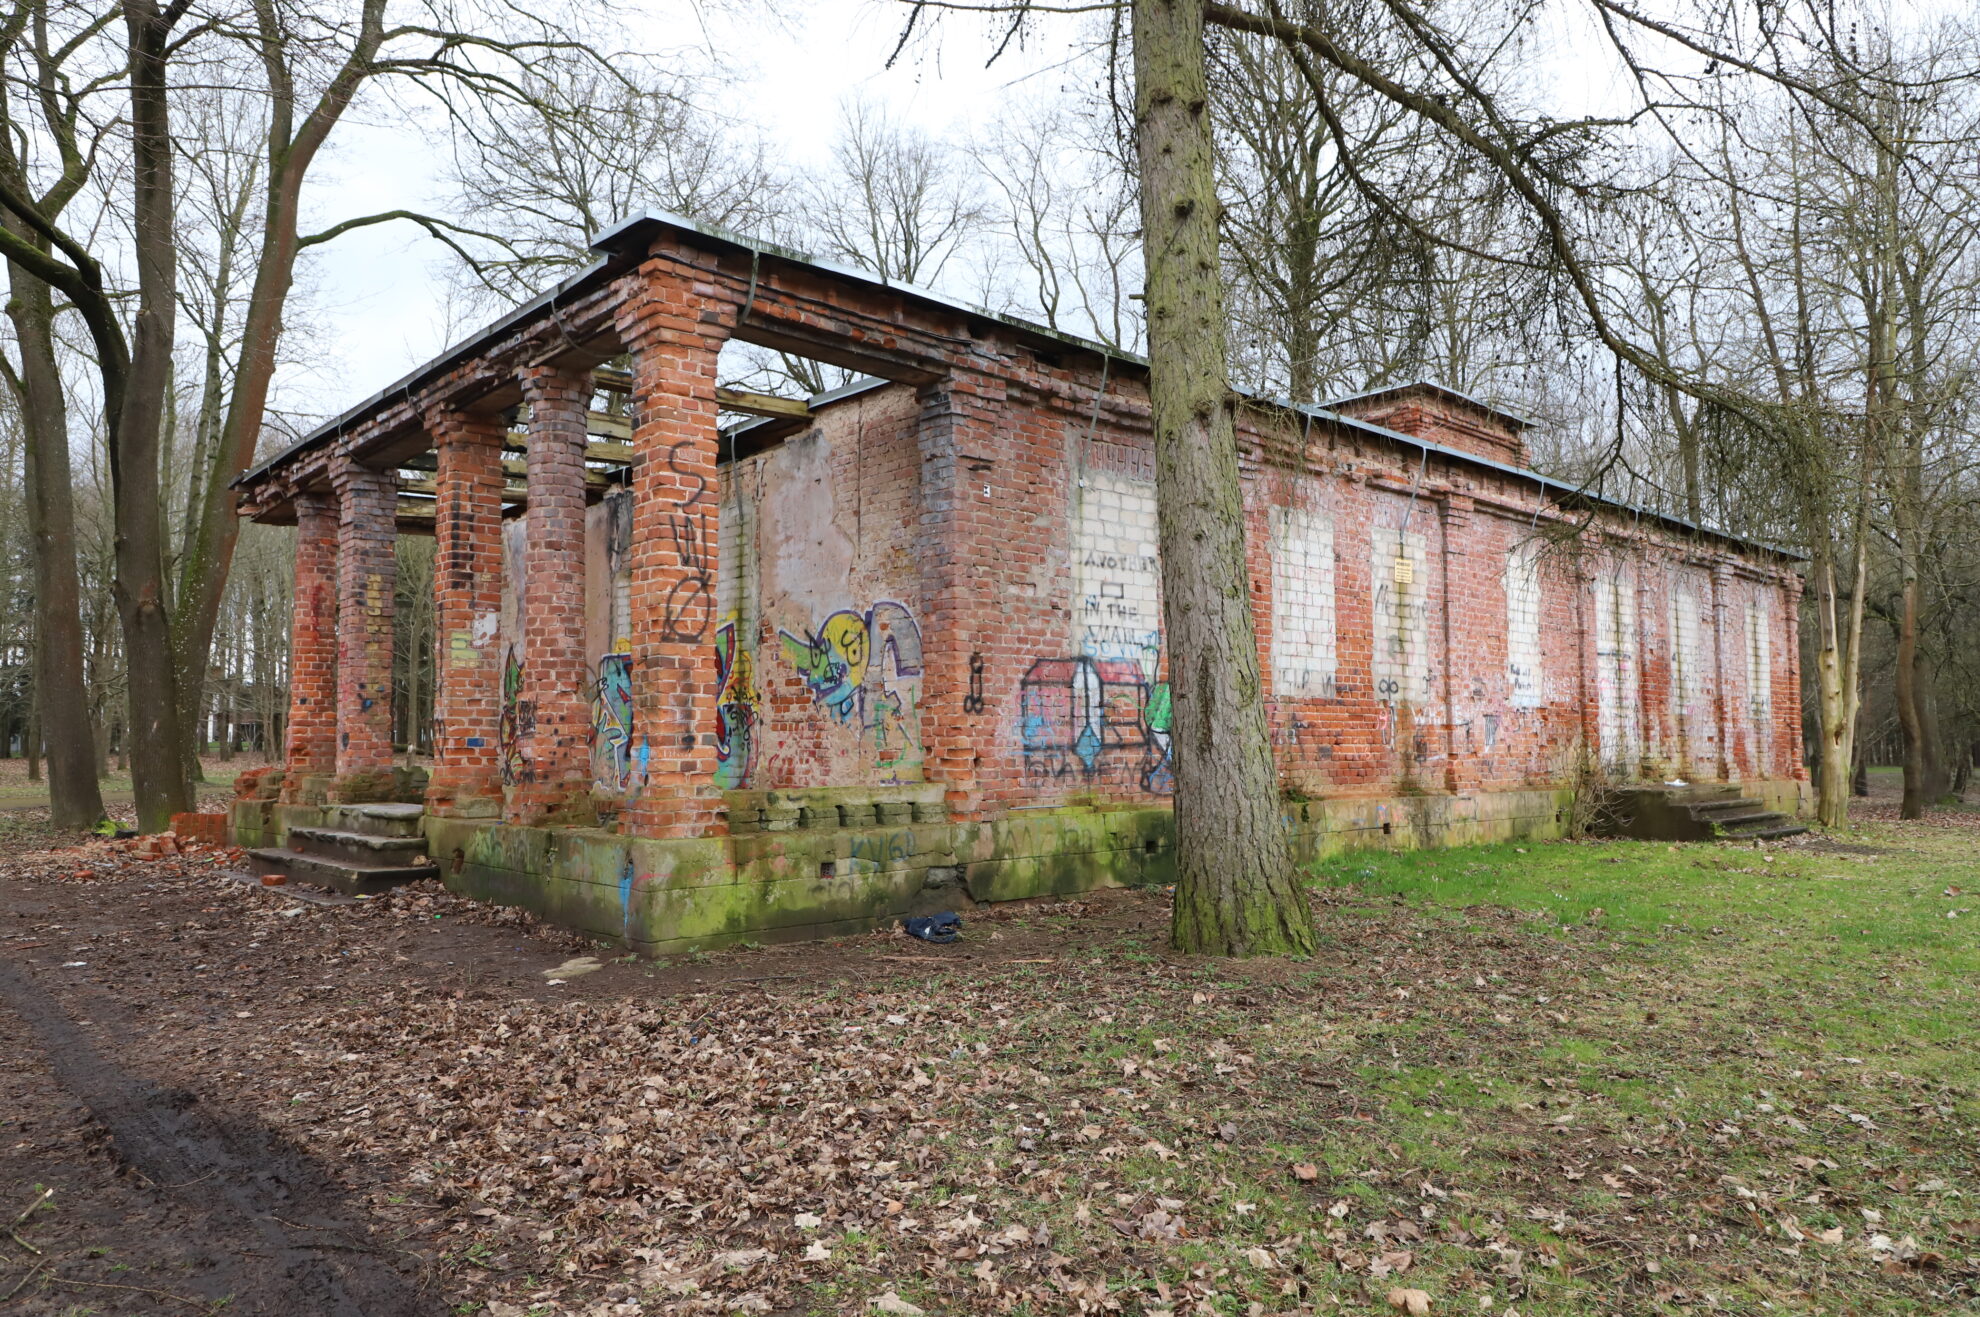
1492,657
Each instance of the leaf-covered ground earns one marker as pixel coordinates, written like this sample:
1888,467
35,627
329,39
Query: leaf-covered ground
1557,1078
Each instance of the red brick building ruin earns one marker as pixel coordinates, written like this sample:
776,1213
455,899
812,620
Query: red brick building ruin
835,662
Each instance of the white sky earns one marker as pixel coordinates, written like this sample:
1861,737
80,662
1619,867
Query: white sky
378,295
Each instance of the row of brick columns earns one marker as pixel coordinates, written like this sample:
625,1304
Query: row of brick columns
340,689
340,718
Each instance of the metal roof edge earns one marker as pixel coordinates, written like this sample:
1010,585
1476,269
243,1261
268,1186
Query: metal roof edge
1520,419
612,239
1321,411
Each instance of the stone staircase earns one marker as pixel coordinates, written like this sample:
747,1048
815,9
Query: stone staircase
372,848
1691,813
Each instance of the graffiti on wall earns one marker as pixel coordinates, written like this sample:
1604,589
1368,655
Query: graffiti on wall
1098,720
690,602
865,669
737,709
617,763
518,720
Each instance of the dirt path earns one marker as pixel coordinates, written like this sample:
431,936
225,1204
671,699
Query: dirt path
138,999
243,1215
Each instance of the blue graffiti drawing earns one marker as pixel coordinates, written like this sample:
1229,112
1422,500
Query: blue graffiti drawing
737,708
612,724
1077,716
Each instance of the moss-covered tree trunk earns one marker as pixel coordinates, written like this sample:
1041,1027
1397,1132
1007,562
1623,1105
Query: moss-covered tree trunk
1236,889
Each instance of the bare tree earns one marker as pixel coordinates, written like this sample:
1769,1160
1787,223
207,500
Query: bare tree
585,147
894,201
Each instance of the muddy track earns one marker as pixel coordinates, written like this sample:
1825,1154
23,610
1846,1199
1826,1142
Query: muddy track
274,1231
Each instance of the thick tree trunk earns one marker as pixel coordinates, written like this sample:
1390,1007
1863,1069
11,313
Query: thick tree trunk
61,700
158,777
1237,892
1909,711
1838,688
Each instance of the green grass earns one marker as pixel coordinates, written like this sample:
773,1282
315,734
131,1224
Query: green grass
1565,1078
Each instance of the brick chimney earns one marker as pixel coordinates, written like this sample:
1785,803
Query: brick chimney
1424,410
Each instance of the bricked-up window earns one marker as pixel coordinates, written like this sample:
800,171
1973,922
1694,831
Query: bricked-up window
1522,582
1687,651
1117,570
1759,665
1302,604
1402,618
1616,691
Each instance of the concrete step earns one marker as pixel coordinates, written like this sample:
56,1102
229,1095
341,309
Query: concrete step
339,875
1729,805
1772,828
1694,812
357,847
383,820
1742,819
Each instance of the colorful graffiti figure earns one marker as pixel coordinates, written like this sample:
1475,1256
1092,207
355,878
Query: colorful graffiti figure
832,661
737,708
612,723
852,665
1157,717
517,721
894,744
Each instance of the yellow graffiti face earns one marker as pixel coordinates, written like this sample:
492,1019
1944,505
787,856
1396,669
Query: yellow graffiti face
846,634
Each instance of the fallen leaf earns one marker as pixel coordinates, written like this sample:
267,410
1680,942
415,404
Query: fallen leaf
1306,1170
894,1303
1414,1302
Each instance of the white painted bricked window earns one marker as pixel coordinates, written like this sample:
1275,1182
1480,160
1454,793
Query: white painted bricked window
1759,664
1402,620
1117,574
1687,651
1522,582
1616,676
1303,653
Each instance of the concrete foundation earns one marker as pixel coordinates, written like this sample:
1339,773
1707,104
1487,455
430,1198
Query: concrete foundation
666,896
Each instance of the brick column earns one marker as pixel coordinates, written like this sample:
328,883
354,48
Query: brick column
674,322
965,518
1787,689
1722,710
367,573
310,744
556,784
1458,588
467,590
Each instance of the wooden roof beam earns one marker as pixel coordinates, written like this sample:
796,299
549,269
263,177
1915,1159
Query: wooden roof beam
760,404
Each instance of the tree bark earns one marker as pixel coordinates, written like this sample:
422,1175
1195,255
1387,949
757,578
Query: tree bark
1237,892
61,700
158,777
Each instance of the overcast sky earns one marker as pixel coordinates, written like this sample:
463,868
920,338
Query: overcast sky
380,293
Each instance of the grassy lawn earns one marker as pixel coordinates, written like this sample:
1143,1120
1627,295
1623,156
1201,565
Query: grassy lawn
1569,1078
